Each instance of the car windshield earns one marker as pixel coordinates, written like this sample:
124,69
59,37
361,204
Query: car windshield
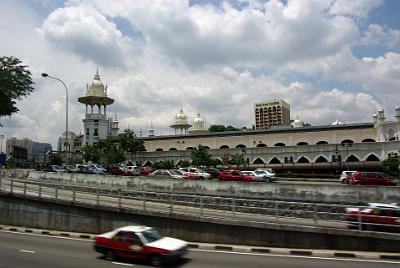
151,235
175,172
259,172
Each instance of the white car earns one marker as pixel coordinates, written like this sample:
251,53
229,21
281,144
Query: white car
345,176
140,243
134,169
267,171
200,173
175,174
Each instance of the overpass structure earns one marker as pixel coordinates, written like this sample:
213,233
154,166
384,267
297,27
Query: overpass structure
191,217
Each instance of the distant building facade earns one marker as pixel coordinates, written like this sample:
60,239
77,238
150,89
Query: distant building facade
271,113
26,150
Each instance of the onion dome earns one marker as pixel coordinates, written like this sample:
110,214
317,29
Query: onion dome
336,123
199,125
96,88
297,123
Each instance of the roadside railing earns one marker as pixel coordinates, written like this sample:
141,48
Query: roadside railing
236,209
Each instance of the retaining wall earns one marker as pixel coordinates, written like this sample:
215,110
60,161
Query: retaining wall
310,192
66,216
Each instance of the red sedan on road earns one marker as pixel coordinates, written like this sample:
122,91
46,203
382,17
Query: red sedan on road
140,243
372,178
235,175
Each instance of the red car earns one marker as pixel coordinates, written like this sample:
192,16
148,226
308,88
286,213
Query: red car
144,171
235,175
115,170
375,216
372,178
140,243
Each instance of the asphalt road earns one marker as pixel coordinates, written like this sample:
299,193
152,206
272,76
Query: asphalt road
18,250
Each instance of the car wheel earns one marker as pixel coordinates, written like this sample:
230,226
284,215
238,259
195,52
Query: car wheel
109,255
156,260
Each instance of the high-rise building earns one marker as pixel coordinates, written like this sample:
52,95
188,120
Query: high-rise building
96,123
35,151
271,113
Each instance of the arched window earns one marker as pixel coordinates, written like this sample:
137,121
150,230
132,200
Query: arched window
322,142
275,161
368,140
159,149
372,157
261,145
241,146
206,147
258,161
321,159
224,147
189,148
302,143
346,141
279,144
352,158
303,160
172,149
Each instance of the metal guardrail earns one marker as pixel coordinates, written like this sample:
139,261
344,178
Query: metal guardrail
238,209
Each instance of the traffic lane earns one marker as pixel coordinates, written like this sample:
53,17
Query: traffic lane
212,259
24,250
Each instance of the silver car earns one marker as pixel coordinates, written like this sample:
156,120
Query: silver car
258,175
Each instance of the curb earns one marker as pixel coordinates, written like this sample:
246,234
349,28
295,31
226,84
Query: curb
233,248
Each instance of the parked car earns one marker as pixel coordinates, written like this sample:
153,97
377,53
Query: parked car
115,170
140,243
200,173
235,175
372,178
269,172
144,171
375,216
214,172
55,168
82,169
259,176
346,176
69,168
133,170
97,168
175,174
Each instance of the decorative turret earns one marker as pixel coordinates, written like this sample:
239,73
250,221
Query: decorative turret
96,123
381,116
181,123
115,128
151,130
375,118
397,113
199,125
297,123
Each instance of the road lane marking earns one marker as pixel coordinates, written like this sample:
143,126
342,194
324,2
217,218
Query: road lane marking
121,263
27,251
297,256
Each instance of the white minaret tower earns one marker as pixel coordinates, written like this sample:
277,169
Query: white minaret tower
151,130
115,128
95,122
181,124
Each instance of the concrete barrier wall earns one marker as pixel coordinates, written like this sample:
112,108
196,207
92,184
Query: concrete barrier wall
310,192
65,216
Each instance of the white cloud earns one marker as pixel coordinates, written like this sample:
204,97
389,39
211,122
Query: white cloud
377,35
356,8
88,34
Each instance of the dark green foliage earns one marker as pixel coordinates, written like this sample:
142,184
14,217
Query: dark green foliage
128,142
104,151
184,163
221,128
54,159
391,165
15,83
237,160
200,156
168,164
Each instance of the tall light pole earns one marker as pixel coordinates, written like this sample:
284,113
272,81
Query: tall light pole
66,110
1,143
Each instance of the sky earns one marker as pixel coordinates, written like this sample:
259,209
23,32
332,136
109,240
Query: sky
329,59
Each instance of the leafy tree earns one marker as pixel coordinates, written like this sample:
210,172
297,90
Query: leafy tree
168,164
200,156
15,83
221,128
184,163
237,159
391,165
90,153
129,142
54,158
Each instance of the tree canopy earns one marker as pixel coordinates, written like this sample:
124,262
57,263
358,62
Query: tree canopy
129,142
221,128
15,83
201,157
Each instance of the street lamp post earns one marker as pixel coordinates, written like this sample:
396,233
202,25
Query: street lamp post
66,111
1,143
